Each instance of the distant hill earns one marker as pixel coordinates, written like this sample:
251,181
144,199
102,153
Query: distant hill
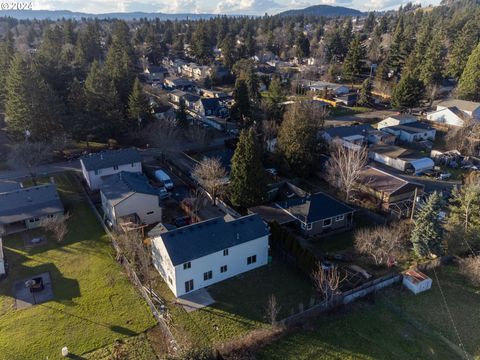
323,10
59,14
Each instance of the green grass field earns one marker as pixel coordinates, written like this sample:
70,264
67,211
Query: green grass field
240,304
399,325
94,302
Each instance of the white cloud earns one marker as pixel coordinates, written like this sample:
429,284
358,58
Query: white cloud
247,6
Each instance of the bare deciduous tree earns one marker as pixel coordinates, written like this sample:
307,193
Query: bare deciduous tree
272,309
326,282
345,166
163,135
57,225
211,175
470,268
382,242
466,138
198,200
198,135
30,155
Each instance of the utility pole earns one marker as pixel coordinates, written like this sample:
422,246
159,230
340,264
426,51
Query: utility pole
414,202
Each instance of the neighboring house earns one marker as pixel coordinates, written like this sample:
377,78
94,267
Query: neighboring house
400,158
179,84
470,108
451,116
322,86
390,192
210,107
110,162
156,73
349,99
205,253
416,281
356,134
129,197
318,214
411,132
395,120
2,260
24,209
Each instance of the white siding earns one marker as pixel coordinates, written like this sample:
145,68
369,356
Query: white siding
140,204
236,262
446,117
383,159
94,178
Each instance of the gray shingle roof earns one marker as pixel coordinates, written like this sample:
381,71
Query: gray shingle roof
23,204
110,158
413,128
463,105
207,237
118,187
314,207
344,131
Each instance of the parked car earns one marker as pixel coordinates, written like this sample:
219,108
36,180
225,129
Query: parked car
163,193
163,177
444,176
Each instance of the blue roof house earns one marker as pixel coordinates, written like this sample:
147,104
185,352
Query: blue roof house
198,255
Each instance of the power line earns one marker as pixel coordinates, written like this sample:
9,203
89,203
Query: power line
451,316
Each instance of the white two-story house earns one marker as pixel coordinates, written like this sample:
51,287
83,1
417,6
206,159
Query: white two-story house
202,254
96,166
128,196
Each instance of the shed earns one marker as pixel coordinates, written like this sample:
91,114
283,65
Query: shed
421,165
416,281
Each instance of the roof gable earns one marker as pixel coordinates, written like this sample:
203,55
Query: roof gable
110,158
207,237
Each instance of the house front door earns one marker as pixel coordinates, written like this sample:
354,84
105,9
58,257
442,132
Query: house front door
188,285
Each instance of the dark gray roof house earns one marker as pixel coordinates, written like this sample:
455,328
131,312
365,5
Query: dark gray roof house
207,237
110,158
346,131
118,187
25,208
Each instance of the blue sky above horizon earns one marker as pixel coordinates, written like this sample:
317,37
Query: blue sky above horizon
247,7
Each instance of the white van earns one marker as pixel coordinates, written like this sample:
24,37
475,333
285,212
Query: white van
162,176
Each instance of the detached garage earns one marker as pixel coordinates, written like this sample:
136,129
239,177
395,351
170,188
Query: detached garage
421,165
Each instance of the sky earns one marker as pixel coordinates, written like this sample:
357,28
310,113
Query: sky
247,7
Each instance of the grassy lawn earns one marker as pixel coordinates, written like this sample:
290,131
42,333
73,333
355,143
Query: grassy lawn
351,110
94,302
240,304
399,325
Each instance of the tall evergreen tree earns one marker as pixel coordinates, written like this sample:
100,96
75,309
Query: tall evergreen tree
365,92
463,44
7,52
297,138
302,46
247,178
352,65
138,106
202,44
31,104
431,69
241,110
469,84
427,232
407,93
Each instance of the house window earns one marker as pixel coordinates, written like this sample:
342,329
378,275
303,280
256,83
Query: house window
133,164
187,265
251,259
309,226
115,167
188,285
150,212
339,217
170,280
225,252
327,222
223,268
207,275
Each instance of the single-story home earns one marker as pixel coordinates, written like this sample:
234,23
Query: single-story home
98,165
322,86
394,120
451,116
416,281
201,254
156,73
317,214
348,99
347,132
411,132
390,191
25,208
128,196
470,108
400,158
